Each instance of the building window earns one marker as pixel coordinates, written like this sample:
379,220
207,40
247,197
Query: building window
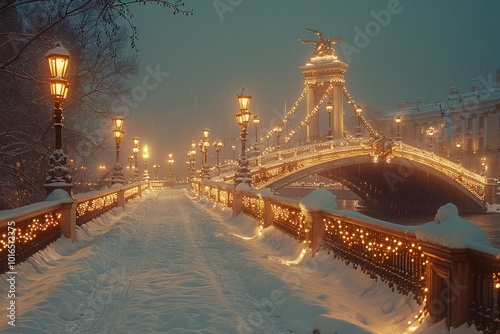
469,123
480,121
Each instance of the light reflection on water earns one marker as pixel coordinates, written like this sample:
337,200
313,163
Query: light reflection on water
489,222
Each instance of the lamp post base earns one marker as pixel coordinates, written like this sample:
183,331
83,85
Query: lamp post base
58,177
117,175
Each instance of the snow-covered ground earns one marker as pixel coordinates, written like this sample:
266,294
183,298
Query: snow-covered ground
169,263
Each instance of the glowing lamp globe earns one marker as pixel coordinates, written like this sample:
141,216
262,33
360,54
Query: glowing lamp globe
243,101
58,61
58,88
118,122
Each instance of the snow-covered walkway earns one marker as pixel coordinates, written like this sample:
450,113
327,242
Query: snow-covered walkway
172,264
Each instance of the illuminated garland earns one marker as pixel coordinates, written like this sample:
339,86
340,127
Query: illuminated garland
354,106
287,116
308,117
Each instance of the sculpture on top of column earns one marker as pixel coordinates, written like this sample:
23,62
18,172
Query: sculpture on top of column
322,47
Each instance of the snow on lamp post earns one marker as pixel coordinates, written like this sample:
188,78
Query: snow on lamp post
145,157
243,118
59,177
136,150
204,144
329,109
256,122
118,135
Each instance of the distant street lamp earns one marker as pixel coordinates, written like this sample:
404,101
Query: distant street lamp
136,150
217,146
243,118
329,109
483,166
156,167
130,161
145,156
430,133
205,173
397,119
118,135
170,162
458,145
358,128
59,177
256,122
233,148
277,130
191,154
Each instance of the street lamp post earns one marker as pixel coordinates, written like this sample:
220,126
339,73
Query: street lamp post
358,128
243,118
156,167
170,163
329,109
217,146
145,156
397,119
204,150
59,177
233,148
191,154
130,161
277,130
430,133
483,166
458,145
136,150
256,122
118,135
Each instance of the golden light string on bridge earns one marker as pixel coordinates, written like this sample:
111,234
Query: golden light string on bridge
270,133
354,106
308,117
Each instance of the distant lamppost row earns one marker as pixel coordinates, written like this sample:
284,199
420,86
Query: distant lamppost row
243,118
118,135
397,119
59,177
145,157
329,109
136,150
156,167
358,128
204,149
256,122
170,162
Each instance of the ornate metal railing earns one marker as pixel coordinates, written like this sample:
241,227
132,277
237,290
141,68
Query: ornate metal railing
391,253
26,230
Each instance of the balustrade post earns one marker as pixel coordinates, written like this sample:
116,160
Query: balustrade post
67,224
268,214
315,228
237,202
449,282
120,194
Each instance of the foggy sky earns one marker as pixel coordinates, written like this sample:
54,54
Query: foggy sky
395,50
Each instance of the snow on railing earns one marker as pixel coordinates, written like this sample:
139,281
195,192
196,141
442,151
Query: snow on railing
465,280
28,229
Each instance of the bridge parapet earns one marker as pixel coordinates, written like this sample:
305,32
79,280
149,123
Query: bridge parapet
471,181
33,227
461,285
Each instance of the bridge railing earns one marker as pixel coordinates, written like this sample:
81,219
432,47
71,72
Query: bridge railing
461,285
26,230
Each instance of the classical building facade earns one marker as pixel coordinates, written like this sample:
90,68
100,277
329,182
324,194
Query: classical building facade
464,126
